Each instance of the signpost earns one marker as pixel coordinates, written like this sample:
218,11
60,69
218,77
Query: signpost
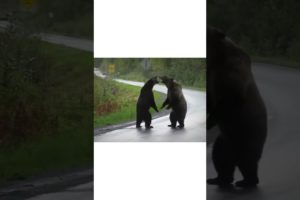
146,64
111,68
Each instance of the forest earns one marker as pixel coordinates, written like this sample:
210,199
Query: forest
67,17
264,28
188,71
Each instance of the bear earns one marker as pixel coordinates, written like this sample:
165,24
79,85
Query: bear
145,101
235,105
176,101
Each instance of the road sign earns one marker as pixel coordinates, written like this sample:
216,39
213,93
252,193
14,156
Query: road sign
146,64
111,68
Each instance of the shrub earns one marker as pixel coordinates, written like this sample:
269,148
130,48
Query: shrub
23,86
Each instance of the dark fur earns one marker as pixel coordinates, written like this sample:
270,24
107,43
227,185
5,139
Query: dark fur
145,101
235,105
176,101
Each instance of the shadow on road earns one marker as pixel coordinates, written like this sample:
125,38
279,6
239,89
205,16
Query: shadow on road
143,131
231,192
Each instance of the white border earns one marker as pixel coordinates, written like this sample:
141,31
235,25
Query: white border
149,28
150,171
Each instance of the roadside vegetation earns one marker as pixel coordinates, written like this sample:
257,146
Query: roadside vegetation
67,17
189,72
267,30
115,102
45,107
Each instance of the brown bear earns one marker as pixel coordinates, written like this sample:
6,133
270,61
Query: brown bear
176,101
237,108
145,101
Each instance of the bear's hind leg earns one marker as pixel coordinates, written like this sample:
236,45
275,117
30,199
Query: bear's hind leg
138,120
173,120
181,123
148,119
138,123
249,169
224,162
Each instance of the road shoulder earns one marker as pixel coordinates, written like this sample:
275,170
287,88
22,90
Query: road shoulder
46,183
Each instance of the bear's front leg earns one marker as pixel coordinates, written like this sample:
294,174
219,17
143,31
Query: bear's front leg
166,102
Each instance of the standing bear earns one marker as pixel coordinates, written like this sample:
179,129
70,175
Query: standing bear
237,108
176,101
145,101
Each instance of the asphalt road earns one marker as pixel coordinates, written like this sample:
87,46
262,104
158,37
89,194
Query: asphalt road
280,164
77,43
80,192
195,123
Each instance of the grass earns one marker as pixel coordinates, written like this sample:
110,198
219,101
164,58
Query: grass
125,97
67,143
49,153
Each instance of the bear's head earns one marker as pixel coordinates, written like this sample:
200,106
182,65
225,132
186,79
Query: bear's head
151,82
169,82
155,79
213,39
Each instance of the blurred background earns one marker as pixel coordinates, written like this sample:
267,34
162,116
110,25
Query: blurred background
268,30
46,92
68,17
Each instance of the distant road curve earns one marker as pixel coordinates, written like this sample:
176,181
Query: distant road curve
77,43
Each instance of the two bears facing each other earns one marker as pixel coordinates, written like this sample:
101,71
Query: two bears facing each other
175,101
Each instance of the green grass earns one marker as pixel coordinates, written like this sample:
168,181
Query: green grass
49,153
124,95
66,139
